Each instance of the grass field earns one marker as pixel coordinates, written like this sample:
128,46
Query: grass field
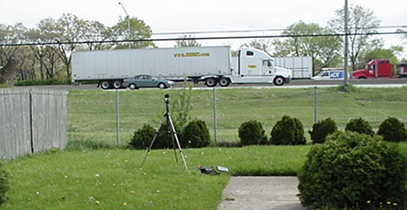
92,114
112,178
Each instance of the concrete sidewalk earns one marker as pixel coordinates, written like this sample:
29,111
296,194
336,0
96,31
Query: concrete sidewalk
261,193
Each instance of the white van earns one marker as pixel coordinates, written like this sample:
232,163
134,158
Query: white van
330,74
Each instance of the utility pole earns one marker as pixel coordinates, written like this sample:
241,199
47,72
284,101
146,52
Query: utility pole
128,23
346,85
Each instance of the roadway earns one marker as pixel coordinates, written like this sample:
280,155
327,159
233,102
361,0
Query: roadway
294,84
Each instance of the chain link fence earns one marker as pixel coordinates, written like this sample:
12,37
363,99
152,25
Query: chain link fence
113,116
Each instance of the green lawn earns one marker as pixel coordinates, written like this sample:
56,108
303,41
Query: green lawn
112,178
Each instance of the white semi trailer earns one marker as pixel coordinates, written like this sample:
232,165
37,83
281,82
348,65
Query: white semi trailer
212,65
300,66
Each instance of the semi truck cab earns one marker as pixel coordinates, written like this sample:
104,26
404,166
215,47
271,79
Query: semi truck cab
255,66
375,69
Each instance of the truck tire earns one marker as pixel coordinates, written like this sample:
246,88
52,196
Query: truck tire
211,82
162,86
105,85
224,82
117,84
279,81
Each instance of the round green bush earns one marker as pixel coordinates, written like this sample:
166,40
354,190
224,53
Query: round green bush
4,185
142,137
252,133
288,131
359,126
392,130
164,139
196,135
322,129
353,171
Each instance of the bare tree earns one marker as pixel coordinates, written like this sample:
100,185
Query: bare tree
264,45
403,32
186,41
362,23
9,72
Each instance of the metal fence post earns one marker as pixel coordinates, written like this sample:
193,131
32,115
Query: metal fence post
117,119
315,104
214,115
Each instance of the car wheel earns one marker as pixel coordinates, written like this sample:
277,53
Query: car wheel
105,85
133,86
162,85
211,82
224,82
117,84
278,81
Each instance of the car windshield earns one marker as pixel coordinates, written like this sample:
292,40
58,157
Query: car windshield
320,73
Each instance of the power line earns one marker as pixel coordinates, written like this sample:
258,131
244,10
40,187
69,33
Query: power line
203,38
264,30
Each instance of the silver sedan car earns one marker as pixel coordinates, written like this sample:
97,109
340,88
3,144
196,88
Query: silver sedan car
146,81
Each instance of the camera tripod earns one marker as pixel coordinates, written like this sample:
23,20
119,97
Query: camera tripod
170,130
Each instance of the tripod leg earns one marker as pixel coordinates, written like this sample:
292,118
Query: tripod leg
152,143
173,147
177,141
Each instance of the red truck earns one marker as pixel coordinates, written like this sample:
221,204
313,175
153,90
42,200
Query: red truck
381,68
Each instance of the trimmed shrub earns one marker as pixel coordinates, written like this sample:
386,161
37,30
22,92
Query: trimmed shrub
359,126
196,135
353,171
252,133
288,131
165,138
322,129
4,185
392,130
142,137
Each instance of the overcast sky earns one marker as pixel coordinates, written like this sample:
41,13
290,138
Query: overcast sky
203,15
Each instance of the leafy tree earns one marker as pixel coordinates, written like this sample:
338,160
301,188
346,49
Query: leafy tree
186,41
181,106
139,31
362,23
302,42
376,50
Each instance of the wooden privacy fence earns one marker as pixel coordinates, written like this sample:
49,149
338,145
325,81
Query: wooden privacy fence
31,120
